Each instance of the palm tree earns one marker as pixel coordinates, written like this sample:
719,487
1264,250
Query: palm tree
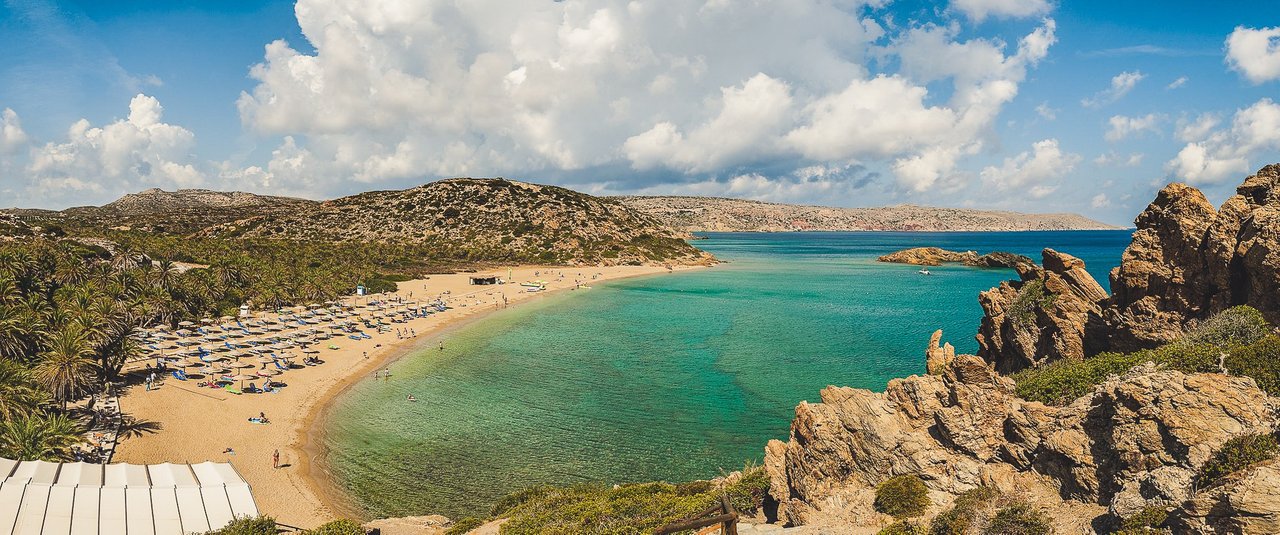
39,437
19,395
65,368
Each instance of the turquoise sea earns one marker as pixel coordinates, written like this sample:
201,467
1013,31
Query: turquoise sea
670,377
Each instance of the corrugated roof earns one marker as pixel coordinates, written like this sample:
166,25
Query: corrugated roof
78,498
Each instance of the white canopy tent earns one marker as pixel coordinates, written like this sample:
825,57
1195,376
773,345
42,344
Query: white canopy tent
89,499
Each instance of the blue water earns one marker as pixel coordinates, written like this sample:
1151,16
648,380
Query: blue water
671,377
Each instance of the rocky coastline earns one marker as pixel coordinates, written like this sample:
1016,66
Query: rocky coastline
1136,445
936,256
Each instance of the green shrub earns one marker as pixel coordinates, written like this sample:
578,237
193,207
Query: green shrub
1240,325
747,494
903,527
1019,519
1031,296
903,496
1260,360
1148,520
510,501
244,525
963,512
1236,454
462,526
338,527
1240,332
1062,381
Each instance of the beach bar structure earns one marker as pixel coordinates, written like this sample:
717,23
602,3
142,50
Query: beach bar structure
97,499
484,281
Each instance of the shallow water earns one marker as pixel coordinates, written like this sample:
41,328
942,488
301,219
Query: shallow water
671,377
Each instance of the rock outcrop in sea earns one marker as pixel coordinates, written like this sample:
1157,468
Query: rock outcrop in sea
936,256
1136,441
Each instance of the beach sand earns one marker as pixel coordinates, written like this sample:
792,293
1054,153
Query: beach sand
199,424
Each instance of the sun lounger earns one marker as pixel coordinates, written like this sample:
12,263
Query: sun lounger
282,368
179,375
232,390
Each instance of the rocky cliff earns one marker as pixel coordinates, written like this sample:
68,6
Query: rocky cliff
1134,441
712,214
1187,261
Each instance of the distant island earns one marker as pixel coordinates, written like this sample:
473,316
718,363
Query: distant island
713,214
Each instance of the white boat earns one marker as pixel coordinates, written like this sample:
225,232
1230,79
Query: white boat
924,271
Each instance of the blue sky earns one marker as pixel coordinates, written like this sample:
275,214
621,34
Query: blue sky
1029,105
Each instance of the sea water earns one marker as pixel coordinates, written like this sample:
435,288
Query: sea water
669,377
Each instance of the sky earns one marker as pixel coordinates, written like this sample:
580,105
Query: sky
1030,105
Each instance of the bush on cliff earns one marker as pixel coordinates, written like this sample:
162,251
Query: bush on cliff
903,496
463,526
904,527
964,512
1239,333
1019,519
1236,454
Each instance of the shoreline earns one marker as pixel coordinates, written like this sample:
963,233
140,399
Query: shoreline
302,492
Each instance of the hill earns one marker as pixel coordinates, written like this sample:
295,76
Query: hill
693,214
155,210
483,220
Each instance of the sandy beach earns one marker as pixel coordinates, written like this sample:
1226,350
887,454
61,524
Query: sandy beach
199,424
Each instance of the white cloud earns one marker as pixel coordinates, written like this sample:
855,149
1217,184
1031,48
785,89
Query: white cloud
1181,81
1121,85
979,10
1031,171
1043,110
1255,53
1213,156
12,137
128,154
1099,201
747,127
1121,127
1111,158
1197,129
433,88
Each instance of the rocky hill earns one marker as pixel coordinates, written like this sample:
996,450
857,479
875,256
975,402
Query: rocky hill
176,212
694,214
485,220
1179,438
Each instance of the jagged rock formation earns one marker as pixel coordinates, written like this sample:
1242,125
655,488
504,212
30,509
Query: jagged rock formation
1249,502
1189,261
1134,441
935,256
712,214
484,219
1045,316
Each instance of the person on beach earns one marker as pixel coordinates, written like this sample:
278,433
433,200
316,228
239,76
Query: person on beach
275,459
366,354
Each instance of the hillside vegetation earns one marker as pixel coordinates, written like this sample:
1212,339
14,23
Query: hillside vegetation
482,220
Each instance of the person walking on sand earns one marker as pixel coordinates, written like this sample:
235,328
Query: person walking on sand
275,459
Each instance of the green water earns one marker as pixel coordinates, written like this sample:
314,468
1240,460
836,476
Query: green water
670,377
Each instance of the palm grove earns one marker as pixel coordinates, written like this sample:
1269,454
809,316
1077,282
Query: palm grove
69,310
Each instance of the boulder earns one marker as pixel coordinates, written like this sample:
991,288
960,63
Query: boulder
1248,502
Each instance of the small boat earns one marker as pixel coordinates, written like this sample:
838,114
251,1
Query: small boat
924,271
